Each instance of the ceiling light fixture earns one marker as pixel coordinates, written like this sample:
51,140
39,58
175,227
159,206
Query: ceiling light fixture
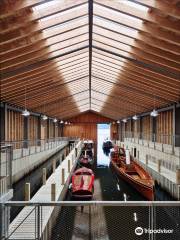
55,120
26,113
135,117
154,113
124,120
44,117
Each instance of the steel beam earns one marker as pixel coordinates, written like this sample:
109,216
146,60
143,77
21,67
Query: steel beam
90,12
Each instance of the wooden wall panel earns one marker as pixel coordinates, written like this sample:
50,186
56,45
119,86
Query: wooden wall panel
165,127
33,128
15,126
90,117
44,129
86,131
114,132
146,127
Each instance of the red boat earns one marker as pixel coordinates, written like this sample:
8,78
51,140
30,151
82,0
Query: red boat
83,183
132,173
86,160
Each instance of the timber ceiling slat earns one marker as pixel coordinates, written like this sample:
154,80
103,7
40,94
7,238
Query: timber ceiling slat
136,74
38,14
134,34
127,51
33,27
137,25
138,44
133,70
163,6
113,57
117,60
148,16
138,79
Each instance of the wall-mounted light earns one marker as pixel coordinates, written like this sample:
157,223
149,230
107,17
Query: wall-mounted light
124,120
25,113
54,120
44,117
154,113
135,117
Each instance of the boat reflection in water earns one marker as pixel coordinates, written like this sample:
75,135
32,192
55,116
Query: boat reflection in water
106,151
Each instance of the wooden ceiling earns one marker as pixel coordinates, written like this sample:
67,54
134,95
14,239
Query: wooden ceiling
65,57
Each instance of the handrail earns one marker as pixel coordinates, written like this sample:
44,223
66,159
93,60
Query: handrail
90,203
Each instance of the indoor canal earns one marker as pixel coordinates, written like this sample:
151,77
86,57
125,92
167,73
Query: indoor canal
82,223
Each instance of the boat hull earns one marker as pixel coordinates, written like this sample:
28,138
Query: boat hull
143,189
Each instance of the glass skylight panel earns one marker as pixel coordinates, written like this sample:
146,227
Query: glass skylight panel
46,5
71,13
112,35
64,50
70,42
111,42
70,58
67,35
134,5
66,26
113,13
76,66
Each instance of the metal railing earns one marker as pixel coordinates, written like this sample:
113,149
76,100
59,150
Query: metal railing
23,148
93,220
5,169
156,141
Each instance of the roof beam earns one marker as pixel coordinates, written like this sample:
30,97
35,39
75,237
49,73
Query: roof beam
38,63
139,14
141,63
90,12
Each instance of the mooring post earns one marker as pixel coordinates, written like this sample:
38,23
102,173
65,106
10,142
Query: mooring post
53,192
54,165
69,166
44,176
63,176
159,166
178,176
76,152
27,192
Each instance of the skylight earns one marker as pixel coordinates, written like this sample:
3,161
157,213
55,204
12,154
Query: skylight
135,5
45,5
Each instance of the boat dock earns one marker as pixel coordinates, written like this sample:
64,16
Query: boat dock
54,189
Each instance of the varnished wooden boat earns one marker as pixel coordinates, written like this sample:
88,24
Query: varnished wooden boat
82,183
133,173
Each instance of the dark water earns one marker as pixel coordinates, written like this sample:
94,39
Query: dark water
112,223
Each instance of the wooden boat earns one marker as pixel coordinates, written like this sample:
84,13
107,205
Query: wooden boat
88,144
82,183
132,173
86,161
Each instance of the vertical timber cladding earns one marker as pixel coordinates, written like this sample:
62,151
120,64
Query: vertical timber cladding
147,127
15,126
164,128
114,131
